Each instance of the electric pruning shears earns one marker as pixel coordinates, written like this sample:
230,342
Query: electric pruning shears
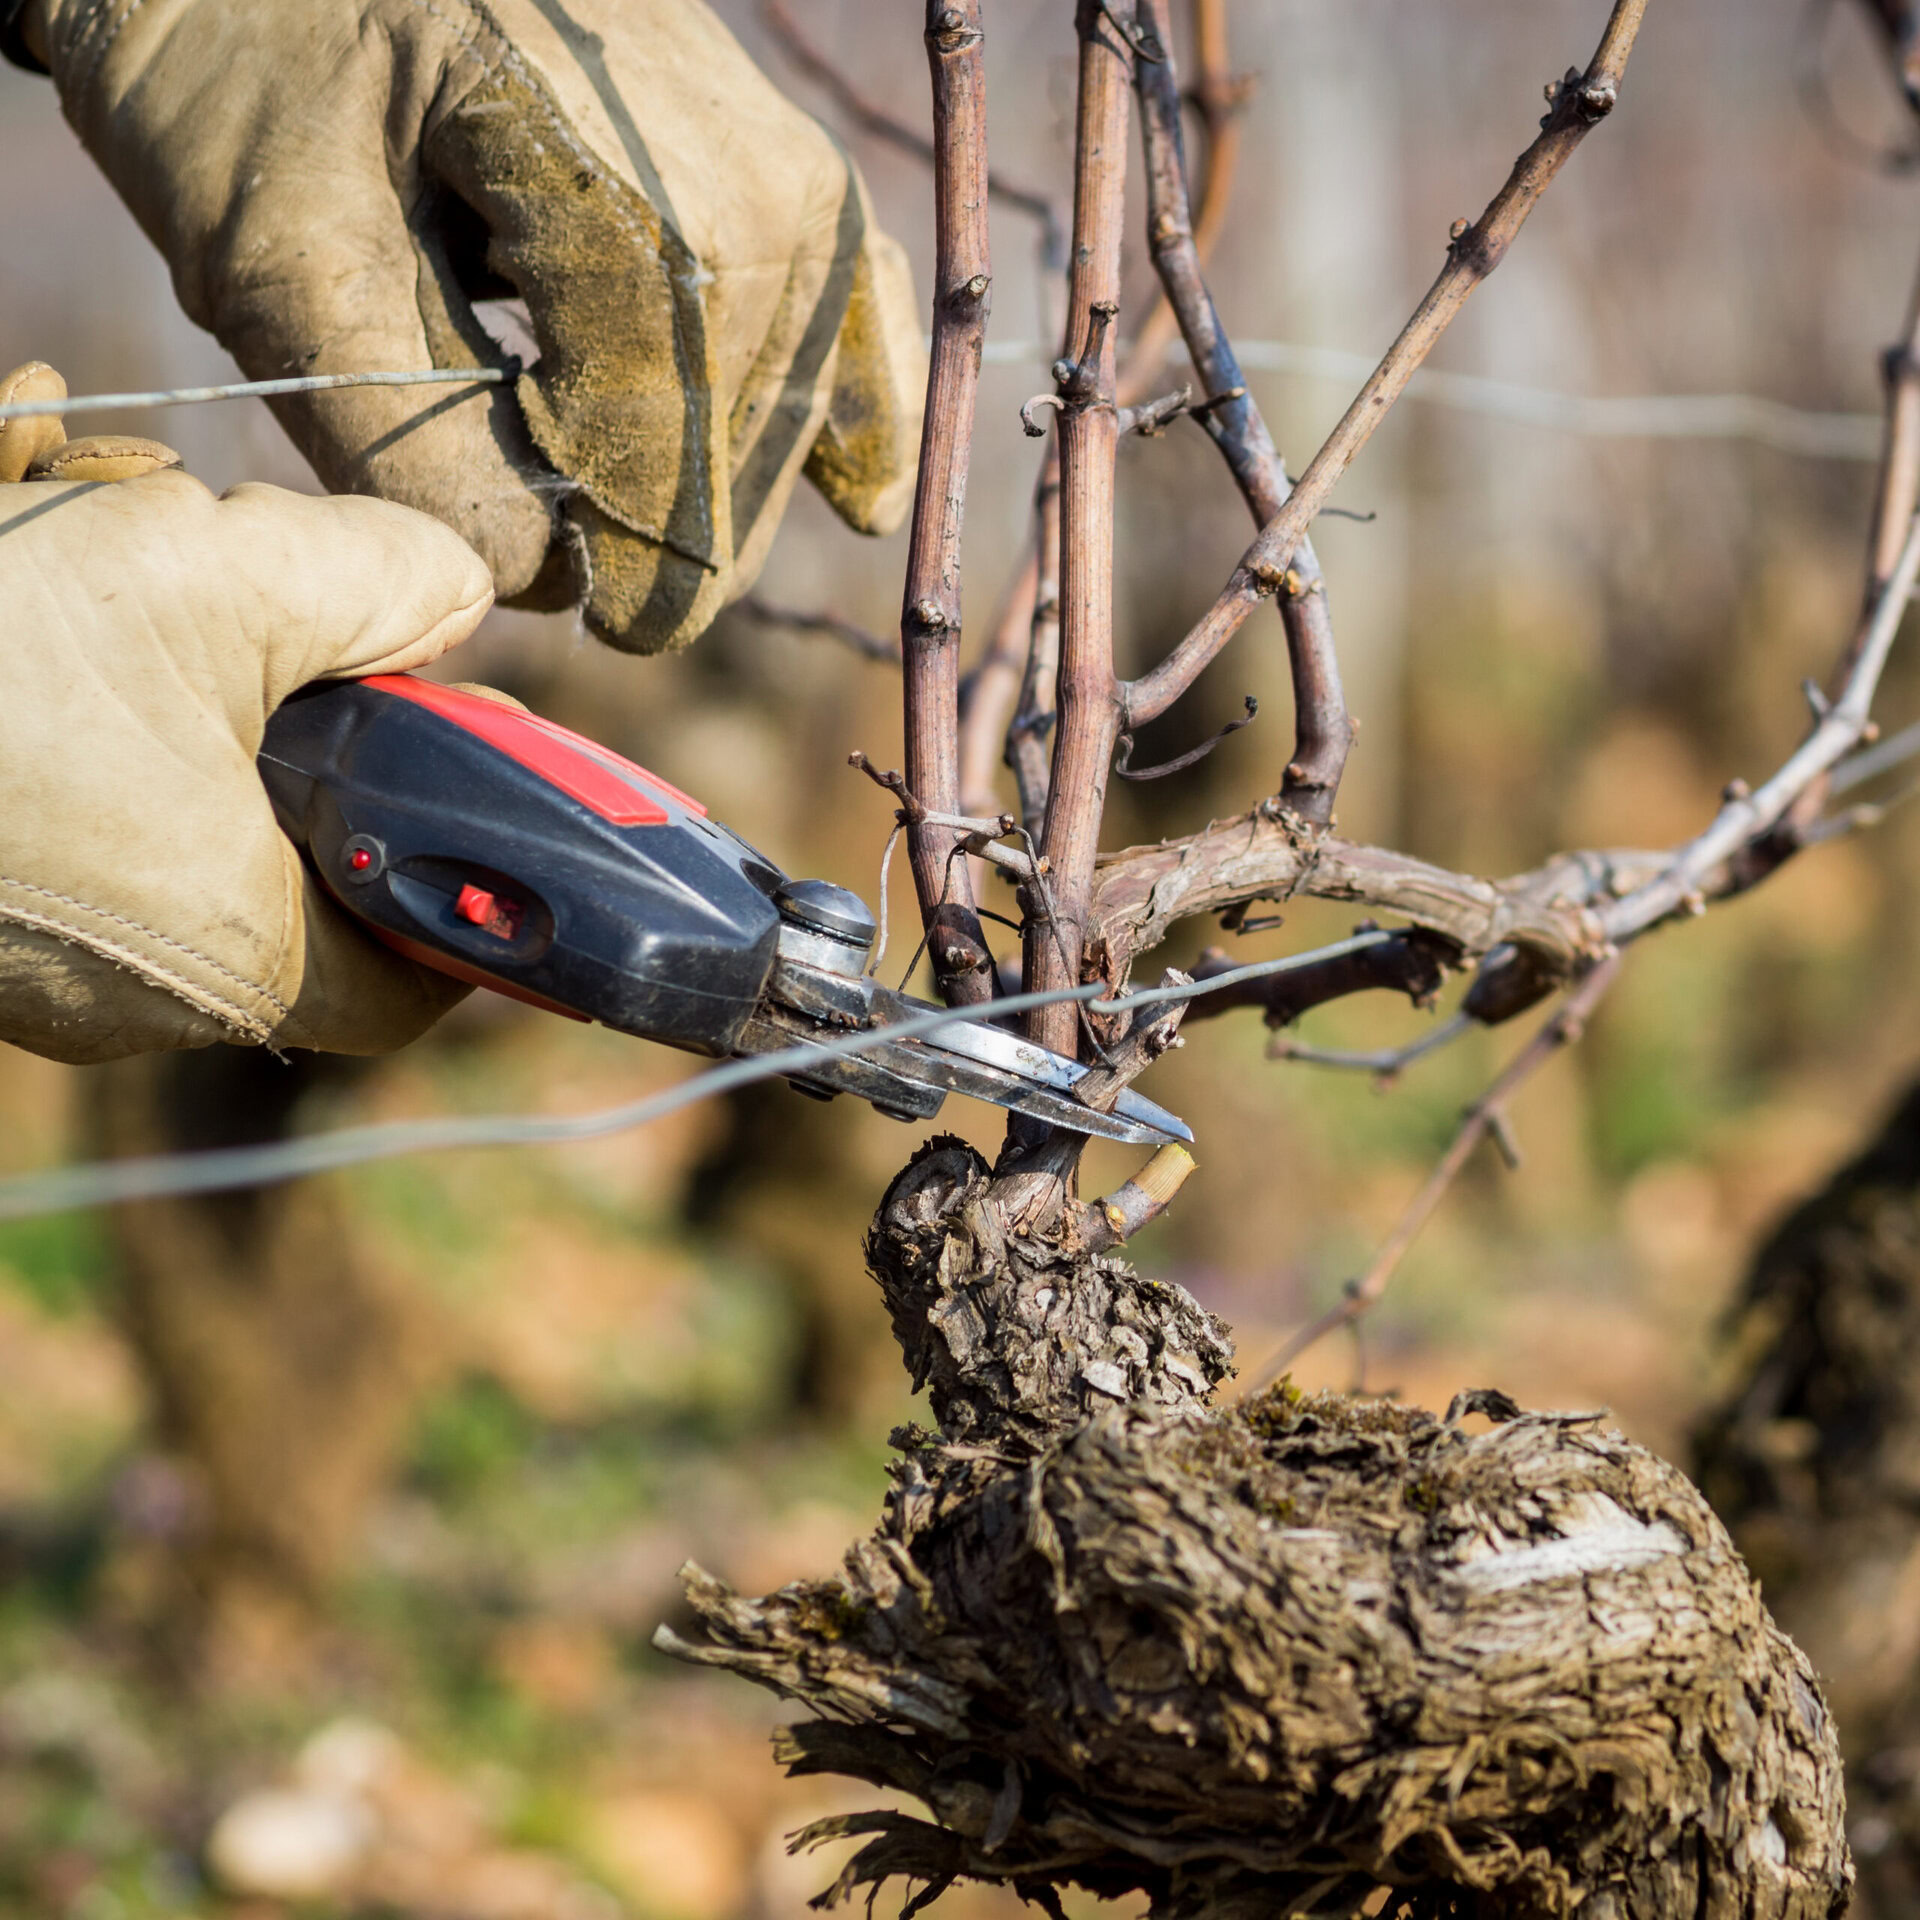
481,840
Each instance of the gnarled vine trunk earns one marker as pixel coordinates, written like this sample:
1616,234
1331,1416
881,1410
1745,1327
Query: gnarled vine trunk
1271,1658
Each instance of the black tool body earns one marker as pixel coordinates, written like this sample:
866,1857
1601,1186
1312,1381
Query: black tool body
498,847
491,844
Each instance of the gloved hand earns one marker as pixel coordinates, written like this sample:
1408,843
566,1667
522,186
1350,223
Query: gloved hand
147,899
335,181
1900,21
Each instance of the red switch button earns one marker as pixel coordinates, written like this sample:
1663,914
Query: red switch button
501,918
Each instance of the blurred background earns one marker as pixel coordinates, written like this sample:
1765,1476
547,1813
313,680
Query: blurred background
334,1521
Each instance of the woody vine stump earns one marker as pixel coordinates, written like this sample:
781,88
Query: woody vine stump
1296,1655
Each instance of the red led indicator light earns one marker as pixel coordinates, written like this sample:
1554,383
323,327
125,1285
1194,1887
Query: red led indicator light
361,860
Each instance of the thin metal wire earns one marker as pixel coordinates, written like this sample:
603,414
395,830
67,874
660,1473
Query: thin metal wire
1806,432
260,390
170,1175
1257,970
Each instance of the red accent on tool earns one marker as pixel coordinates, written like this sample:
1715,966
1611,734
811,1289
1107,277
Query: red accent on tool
615,788
490,914
475,904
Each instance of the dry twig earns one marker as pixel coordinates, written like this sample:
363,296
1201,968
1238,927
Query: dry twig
988,693
1384,1063
1220,98
930,617
1898,495
1486,1118
1089,712
1323,731
1413,962
875,119
862,640
1029,747
1747,816
1576,105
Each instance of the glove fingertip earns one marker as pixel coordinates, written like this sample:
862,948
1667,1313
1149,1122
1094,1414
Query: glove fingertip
31,438
102,458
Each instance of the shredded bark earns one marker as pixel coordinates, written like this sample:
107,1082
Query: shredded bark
1017,1334
1274,1658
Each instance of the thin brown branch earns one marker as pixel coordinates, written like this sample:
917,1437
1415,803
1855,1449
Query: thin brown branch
1414,963
1220,98
875,119
1323,732
1747,816
1384,1063
1485,1118
862,640
1029,750
1154,1031
988,693
1756,832
978,834
930,618
1143,892
1150,418
1123,763
1577,105
1088,699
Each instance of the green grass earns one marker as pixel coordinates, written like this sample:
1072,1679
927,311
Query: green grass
59,1260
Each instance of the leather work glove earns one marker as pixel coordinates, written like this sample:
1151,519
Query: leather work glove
1899,20
148,900
334,182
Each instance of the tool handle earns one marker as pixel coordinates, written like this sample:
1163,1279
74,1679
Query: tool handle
493,845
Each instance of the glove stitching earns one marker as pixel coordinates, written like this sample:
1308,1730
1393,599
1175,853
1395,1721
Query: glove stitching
201,999
121,920
91,24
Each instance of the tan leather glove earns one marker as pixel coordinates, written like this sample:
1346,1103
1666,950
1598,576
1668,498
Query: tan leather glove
147,899
335,181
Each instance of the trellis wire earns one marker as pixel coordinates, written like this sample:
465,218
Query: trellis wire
105,1182
258,390
1806,432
